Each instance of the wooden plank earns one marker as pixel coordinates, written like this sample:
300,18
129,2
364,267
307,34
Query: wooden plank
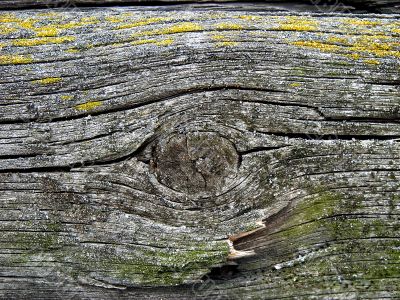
203,154
386,6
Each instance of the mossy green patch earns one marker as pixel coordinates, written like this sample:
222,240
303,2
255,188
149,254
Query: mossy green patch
153,267
167,268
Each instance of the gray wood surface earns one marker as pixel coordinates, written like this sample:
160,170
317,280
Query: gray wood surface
387,6
199,154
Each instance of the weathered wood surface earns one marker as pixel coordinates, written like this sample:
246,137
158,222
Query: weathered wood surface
215,155
387,6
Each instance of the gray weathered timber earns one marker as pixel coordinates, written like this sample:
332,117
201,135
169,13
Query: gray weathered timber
387,6
199,155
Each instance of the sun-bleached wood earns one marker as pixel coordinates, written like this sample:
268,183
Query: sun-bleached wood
199,154
386,6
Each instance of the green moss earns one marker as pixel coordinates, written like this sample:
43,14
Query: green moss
315,207
251,227
56,227
151,267
36,241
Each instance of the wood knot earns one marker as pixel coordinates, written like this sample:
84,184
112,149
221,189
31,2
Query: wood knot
195,163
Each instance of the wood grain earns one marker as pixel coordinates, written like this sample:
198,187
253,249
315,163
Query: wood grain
199,155
385,6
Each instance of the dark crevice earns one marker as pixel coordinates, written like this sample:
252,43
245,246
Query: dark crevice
395,119
224,272
144,152
74,166
394,83
331,137
57,169
256,150
260,149
137,105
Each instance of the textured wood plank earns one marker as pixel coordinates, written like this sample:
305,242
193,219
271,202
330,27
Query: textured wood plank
203,154
387,6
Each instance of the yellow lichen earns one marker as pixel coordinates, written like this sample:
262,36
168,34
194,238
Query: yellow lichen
114,19
215,16
354,56
28,23
223,41
337,40
229,26
295,84
226,44
72,50
76,24
218,37
181,27
143,42
317,45
142,22
5,29
178,28
8,18
371,61
46,31
250,18
373,47
43,41
48,80
296,27
15,59
375,37
67,97
298,24
88,105
89,20
368,46
165,42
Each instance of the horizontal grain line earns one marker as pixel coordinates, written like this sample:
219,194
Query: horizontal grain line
138,105
329,137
